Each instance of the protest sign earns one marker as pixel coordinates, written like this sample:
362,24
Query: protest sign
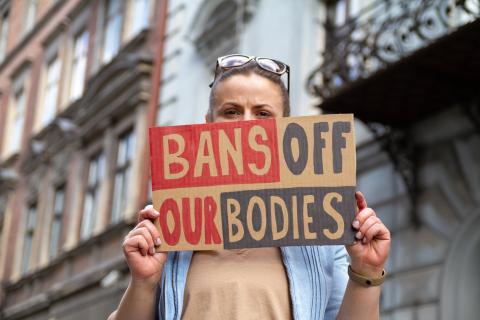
261,183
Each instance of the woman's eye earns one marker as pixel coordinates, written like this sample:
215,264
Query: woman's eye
264,114
231,112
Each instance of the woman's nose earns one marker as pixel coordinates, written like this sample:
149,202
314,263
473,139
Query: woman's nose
248,116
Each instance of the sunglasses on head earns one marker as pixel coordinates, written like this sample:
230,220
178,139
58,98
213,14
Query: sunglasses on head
237,60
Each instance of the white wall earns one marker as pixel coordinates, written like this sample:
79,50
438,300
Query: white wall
288,30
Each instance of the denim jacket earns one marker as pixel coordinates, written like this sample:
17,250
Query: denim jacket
317,278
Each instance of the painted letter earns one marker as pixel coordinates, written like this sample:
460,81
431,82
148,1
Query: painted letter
234,151
330,210
205,140
233,210
260,233
174,158
254,131
274,201
308,199
170,237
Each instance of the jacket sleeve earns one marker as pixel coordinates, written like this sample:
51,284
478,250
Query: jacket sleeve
340,277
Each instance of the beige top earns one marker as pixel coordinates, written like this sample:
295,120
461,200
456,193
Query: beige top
237,284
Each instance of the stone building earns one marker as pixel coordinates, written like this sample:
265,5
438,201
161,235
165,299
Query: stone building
409,70
82,80
79,83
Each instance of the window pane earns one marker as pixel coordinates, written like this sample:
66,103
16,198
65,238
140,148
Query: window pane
56,224
92,172
30,15
139,15
122,152
27,251
55,236
3,35
51,91
88,216
112,30
59,201
118,200
95,173
18,110
29,232
79,65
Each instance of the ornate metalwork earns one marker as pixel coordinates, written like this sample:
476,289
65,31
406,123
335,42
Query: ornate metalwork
403,154
382,33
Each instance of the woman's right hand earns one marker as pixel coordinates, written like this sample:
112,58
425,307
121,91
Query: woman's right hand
139,249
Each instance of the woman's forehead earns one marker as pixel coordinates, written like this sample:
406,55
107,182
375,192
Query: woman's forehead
248,86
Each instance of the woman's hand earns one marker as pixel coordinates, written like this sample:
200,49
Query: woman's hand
139,249
369,253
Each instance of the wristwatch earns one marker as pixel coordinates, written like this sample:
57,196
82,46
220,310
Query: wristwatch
366,281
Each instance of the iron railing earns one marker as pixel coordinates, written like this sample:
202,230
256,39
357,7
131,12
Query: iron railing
381,33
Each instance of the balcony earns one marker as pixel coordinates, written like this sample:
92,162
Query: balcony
397,61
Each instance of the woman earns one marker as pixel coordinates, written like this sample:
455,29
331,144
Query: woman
261,283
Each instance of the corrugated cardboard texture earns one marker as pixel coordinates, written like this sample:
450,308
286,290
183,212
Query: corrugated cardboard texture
274,182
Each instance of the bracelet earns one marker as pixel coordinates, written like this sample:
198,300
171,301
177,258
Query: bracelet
366,281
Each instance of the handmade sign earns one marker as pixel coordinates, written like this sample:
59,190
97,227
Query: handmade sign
261,183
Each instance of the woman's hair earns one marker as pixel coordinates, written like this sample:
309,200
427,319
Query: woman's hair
249,68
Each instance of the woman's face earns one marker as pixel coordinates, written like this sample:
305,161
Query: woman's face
247,97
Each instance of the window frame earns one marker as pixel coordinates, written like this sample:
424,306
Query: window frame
29,24
56,217
28,235
100,156
125,169
4,35
83,31
104,29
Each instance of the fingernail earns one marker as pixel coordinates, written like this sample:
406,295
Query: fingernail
158,242
152,251
358,235
364,240
356,224
156,213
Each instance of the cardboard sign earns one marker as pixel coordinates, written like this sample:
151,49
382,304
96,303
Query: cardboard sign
261,183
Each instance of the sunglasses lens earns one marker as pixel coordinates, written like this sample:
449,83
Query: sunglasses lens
233,61
272,65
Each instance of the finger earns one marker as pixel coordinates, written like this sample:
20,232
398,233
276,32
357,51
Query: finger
142,231
377,231
362,216
134,244
366,225
361,202
148,213
152,229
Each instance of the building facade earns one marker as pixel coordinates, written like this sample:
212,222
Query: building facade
82,80
79,80
409,71
80,83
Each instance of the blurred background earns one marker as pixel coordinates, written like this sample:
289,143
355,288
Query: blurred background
82,80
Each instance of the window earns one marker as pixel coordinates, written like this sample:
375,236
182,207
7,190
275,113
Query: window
3,35
18,109
51,90
30,14
138,16
122,170
216,33
16,115
92,195
56,226
28,241
112,31
79,63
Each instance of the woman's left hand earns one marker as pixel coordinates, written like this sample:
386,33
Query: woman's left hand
369,253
